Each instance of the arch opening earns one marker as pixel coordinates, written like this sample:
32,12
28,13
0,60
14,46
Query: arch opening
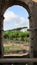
19,21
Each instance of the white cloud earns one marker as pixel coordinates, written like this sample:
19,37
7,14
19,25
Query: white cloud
12,20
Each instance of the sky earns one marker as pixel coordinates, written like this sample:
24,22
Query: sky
15,16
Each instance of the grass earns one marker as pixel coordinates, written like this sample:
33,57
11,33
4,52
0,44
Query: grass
11,48
9,45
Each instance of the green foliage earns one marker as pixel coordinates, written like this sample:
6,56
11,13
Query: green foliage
16,35
11,48
6,35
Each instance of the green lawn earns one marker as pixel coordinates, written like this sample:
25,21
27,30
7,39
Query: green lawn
11,48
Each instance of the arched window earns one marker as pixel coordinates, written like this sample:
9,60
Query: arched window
16,35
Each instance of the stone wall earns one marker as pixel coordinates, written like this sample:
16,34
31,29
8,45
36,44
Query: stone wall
31,6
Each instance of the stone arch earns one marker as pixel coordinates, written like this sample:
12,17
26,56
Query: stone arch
9,3
31,6
16,2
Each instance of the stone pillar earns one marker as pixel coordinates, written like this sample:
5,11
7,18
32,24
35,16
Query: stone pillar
1,35
31,37
33,28
33,31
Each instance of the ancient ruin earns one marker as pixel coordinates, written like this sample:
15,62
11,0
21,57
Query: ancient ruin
31,6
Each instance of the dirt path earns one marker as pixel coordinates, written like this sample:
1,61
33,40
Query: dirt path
14,44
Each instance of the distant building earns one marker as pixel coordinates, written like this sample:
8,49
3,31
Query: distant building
24,29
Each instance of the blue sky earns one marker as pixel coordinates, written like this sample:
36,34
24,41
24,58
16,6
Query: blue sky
15,16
